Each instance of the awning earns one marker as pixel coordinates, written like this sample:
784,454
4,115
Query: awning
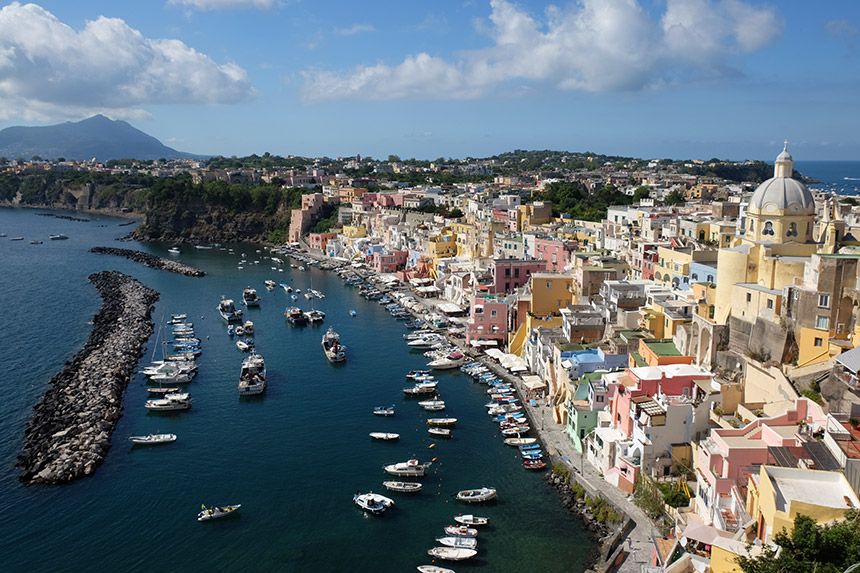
533,383
495,353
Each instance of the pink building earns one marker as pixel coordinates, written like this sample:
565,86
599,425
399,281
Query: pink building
488,320
390,262
510,274
555,252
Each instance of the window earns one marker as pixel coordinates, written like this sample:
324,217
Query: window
824,300
770,303
710,278
493,313
819,342
517,273
749,297
548,284
822,322
792,230
768,228
752,226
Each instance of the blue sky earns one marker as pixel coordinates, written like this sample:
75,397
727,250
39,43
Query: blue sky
645,78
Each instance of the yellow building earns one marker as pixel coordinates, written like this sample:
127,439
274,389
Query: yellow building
443,245
353,232
548,294
776,495
466,239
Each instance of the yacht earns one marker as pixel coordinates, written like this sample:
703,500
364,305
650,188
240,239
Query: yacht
252,378
179,401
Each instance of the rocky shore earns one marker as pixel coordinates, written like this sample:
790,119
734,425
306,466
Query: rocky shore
72,424
150,261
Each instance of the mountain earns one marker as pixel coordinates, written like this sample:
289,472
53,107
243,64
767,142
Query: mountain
96,136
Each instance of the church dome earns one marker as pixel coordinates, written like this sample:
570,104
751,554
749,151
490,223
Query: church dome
781,191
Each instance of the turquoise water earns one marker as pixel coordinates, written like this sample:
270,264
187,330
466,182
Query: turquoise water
293,458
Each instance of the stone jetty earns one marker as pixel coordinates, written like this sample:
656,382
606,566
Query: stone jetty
72,424
151,261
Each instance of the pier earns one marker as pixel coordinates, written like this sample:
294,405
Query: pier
151,261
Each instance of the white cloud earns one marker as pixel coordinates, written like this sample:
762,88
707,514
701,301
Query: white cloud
48,70
355,29
593,45
225,4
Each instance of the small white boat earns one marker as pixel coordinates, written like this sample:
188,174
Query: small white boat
432,405
470,519
58,237
384,436
242,345
162,390
270,284
520,441
402,486
440,432
217,511
433,569
458,541
453,360
384,410
461,530
477,495
153,439
410,468
452,553
174,250
442,421
372,502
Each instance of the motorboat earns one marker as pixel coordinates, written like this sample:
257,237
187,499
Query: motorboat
384,410
372,502
58,237
228,311
410,468
470,519
515,431
315,316
477,495
217,512
453,360
152,439
270,284
442,421
520,441
419,389
170,402
434,569
244,345
452,553
287,288
432,405
252,378
35,242
419,374
458,541
334,350
248,327
239,330
162,390
402,486
461,530
295,316
384,436
174,251
439,432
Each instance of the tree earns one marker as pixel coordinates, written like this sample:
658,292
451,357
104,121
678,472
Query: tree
849,201
641,192
674,197
810,548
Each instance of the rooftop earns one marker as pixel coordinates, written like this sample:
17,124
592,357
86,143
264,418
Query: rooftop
821,488
663,347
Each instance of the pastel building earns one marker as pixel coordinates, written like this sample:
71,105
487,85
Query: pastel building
511,274
488,320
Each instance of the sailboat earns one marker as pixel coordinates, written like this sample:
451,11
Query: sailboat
314,316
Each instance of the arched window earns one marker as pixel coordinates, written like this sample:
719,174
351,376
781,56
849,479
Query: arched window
695,276
658,276
710,280
768,229
752,226
792,230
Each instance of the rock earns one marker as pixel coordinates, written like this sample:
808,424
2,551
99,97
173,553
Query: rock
150,261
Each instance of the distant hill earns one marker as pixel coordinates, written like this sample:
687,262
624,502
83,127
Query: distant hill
96,136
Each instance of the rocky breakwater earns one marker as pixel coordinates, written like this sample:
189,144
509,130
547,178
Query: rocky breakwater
71,428
151,261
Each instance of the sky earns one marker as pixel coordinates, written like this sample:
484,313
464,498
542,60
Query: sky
681,79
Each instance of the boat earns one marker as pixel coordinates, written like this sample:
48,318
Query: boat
477,495
534,464
58,237
250,297
515,431
461,530
287,288
17,239
440,432
372,502
170,402
402,486
231,330
520,441
409,468
452,553
314,316
384,410
248,328
458,541
432,405
470,519
333,349
442,421
244,345
384,436
295,316
217,512
203,247
352,313
252,378
35,242
161,390
174,251
153,439
239,330
270,284
228,310
433,569
453,360
419,374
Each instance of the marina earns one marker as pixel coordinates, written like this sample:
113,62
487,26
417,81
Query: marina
531,529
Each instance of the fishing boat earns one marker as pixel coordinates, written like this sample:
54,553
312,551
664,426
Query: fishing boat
433,569
461,530
252,378
295,316
442,421
228,311
477,495
440,432
520,441
384,410
470,519
458,541
333,349
384,436
217,512
452,553
515,431
152,439
402,486
372,502
410,468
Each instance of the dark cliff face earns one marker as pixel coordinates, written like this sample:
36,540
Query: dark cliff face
198,222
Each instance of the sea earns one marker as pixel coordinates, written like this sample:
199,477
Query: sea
292,457
842,177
